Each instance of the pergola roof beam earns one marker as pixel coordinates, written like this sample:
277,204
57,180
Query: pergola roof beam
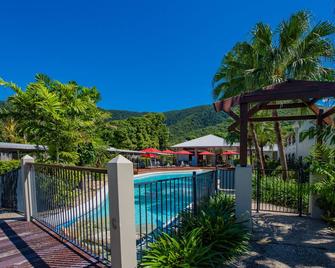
328,112
282,118
315,109
283,106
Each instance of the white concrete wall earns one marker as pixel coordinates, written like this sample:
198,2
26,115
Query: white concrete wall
301,148
243,194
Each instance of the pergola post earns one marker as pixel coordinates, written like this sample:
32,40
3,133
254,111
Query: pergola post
243,173
314,209
243,134
319,124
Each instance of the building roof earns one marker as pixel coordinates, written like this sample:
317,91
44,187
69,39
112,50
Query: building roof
208,141
126,151
8,146
112,149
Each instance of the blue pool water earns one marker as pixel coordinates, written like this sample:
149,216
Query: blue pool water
158,198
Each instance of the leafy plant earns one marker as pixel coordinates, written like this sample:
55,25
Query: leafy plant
62,116
140,132
212,237
322,160
6,166
179,251
220,229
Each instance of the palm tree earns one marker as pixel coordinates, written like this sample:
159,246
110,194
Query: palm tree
9,132
265,135
296,50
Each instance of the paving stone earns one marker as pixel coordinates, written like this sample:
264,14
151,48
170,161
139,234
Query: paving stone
286,240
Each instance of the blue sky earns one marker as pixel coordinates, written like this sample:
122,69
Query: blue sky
142,55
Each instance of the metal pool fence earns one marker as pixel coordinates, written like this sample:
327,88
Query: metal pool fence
226,180
74,203
281,191
8,187
159,203
71,201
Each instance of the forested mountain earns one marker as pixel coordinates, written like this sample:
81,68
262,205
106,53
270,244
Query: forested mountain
124,114
187,123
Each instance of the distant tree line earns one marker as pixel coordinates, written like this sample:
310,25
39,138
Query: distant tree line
65,117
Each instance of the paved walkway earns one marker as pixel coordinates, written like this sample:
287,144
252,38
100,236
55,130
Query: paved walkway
286,240
24,244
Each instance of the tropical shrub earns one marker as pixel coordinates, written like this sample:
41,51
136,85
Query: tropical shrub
179,251
213,230
6,166
216,217
322,161
62,116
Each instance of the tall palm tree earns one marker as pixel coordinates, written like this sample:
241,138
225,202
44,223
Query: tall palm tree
296,50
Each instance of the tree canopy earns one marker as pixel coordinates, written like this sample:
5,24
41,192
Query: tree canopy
140,132
62,116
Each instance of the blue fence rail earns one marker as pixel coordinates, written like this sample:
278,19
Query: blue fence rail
8,190
226,180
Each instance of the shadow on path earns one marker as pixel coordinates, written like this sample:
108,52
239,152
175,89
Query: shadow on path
286,240
31,256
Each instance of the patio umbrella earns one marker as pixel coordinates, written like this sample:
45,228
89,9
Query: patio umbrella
168,152
183,152
148,152
205,153
230,153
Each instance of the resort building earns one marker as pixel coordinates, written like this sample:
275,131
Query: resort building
297,148
217,147
208,143
11,151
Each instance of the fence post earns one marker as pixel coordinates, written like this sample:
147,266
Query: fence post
216,178
243,193
121,212
28,179
300,179
194,184
314,209
258,185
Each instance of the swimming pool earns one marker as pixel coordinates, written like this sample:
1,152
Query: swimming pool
158,198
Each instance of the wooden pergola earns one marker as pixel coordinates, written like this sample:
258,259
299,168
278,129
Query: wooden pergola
294,94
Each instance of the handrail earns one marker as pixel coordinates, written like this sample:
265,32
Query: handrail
79,168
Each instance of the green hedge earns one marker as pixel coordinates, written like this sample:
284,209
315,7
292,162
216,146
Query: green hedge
6,166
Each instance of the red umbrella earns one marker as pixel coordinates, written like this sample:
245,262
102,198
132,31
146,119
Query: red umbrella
183,152
205,153
147,152
168,152
230,153
150,150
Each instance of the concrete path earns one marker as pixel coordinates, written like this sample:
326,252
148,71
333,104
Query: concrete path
287,240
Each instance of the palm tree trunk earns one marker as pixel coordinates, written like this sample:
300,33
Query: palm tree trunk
280,144
257,149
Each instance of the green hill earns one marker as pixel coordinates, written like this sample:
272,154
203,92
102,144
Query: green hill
187,123
124,114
